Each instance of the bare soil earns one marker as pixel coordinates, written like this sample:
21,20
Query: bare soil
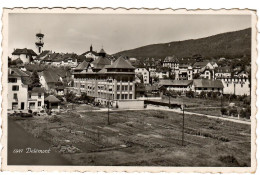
143,138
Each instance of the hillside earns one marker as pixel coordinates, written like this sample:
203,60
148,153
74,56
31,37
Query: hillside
228,45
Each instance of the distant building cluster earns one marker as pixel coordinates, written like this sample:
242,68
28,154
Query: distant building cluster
36,80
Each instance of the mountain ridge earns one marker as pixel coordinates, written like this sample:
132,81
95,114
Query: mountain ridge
229,45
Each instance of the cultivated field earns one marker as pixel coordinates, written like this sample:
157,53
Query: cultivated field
140,138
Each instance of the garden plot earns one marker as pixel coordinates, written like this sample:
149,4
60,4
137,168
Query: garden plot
144,138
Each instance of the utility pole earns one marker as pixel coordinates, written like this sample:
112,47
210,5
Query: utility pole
183,125
108,111
183,120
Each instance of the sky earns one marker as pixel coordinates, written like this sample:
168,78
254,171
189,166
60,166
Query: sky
69,33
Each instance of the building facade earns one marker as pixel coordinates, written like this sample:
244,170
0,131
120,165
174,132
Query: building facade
111,84
237,86
17,89
145,74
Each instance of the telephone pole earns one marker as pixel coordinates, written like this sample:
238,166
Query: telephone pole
108,122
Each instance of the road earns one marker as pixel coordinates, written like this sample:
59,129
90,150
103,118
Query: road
19,139
163,108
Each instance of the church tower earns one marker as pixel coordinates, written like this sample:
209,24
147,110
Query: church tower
91,48
39,43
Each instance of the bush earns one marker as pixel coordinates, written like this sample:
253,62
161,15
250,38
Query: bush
54,119
223,111
35,113
190,94
48,111
30,111
202,94
233,112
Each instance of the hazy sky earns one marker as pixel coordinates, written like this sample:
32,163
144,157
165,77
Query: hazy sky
76,32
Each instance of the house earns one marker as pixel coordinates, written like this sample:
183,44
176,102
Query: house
144,73
163,72
54,80
114,82
36,99
199,66
207,85
52,103
235,85
176,85
26,55
18,82
183,72
171,62
207,73
91,54
223,72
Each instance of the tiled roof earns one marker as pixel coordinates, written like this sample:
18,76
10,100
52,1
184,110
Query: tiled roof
24,51
37,90
175,82
17,72
93,52
121,63
82,66
50,76
82,58
52,99
34,67
200,64
171,59
207,83
100,62
102,51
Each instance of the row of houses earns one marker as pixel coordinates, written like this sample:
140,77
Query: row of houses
22,97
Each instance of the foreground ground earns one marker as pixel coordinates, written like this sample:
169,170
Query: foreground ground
141,138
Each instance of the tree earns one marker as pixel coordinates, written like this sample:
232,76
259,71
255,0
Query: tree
35,80
70,97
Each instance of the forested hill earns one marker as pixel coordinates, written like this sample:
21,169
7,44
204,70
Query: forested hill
229,45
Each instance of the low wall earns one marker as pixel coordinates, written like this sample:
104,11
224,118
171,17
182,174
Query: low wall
129,104
149,98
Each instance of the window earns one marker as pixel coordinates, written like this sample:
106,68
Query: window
29,95
15,96
126,87
126,96
118,87
118,96
14,106
39,103
227,85
241,85
39,95
130,87
123,88
130,96
15,88
12,80
82,86
205,88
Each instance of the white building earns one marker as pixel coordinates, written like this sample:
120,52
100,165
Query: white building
26,55
145,73
36,99
237,86
17,89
